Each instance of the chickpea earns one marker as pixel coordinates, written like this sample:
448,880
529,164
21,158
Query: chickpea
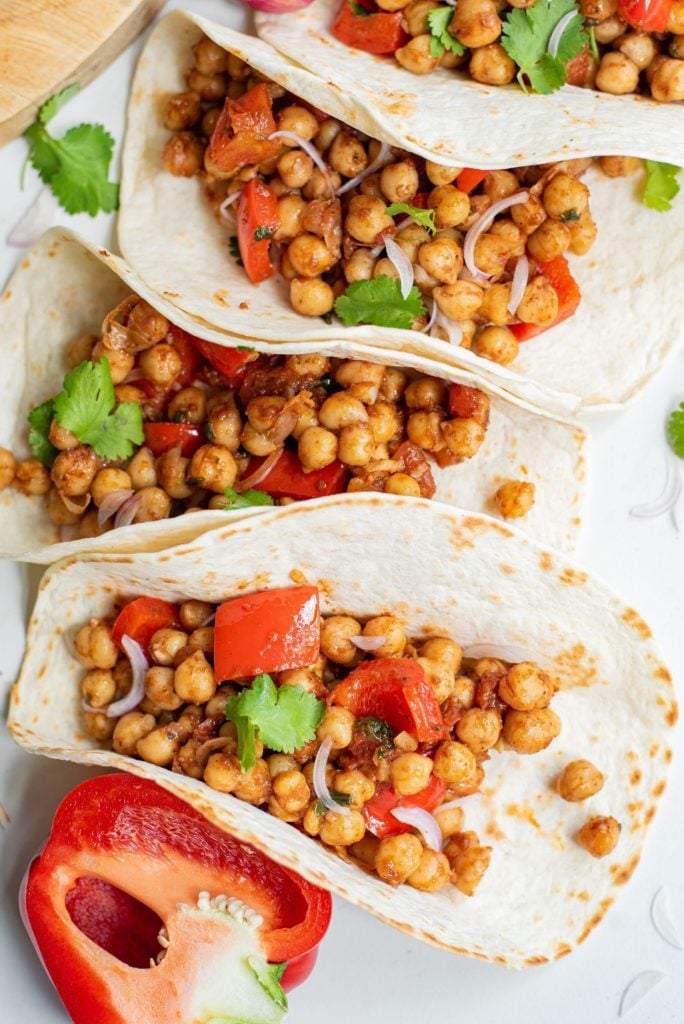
291,209
385,421
291,790
342,410
410,773
432,873
415,16
202,639
356,785
391,630
539,304
416,56
361,379
317,186
402,483
582,234
528,215
515,498
525,687
295,168
475,23
491,254
366,850
280,763
641,49
316,448
182,155
440,675
497,344
309,255
666,78
676,47
161,363
224,424
213,467
455,764
356,444
61,438
154,505
442,259
159,688
617,74
189,405
491,666
326,134
183,111
423,429
464,691
491,65
73,471
7,468
342,829
394,383
464,437
495,302
222,772
58,511
528,732
397,857
451,206
359,266
564,195
298,120
311,296
550,240
450,820
599,835
460,300
194,614
338,724
129,729
441,649
165,645
209,87
94,645
194,680
479,730
98,726
367,218
108,480
426,393
161,745
210,58
468,865
172,470
98,687
399,181
81,349
142,470
579,780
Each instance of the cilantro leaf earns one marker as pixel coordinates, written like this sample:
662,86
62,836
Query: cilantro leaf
525,38
53,106
40,420
441,39
569,216
285,717
343,799
268,976
263,231
376,728
85,405
379,301
426,218
661,185
675,430
358,9
246,737
248,499
234,249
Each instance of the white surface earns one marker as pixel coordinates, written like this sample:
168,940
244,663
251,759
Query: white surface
367,972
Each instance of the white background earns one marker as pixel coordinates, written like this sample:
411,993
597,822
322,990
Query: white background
367,971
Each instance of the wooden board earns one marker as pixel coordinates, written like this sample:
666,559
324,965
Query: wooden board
47,44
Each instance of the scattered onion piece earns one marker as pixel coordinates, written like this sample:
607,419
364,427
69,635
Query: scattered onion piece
420,819
320,785
40,216
209,746
139,667
451,328
521,276
430,323
111,503
384,156
662,920
275,6
368,643
557,34
224,208
127,511
67,533
668,497
77,504
449,805
209,621
311,151
4,817
482,224
255,478
638,988
402,264
504,652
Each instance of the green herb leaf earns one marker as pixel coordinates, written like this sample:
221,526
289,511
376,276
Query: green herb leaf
285,717
675,430
234,249
53,106
40,420
268,976
379,301
376,728
343,799
661,185
262,232
525,38
246,737
248,499
86,407
569,216
245,348
359,9
426,218
593,45
441,39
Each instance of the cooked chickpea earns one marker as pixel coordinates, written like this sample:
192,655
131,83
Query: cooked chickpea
539,304
415,16
161,363
491,254
129,729
641,49
460,300
159,688
31,477
463,437
347,154
81,349
194,679
617,74
342,829
442,259
479,729
432,873
550,240
98,687
666,78
423,429
366,218
194,614
491,65
210,58
385,421
392,632
441,649
98,726
94,645
426,393
213,467
183,111
202,639
342,410
397,857
182,155
455,764
336,633
356,785
468,865
161,745
189,405
62,439
515,498
528,732
291,790
7,468
464,691
410,773
255,785
399,181
318,186
497,344
222,772
525,687
154,504
108,480
441,175
172,470
298,120
564,195
359,266
403,484
142,470
394,383
166,643
316,448
73,471
528,215
361,379
311,296
416,56
209,87
475,23
440,676
309,255
338,724
58,511
295,168
495,302
451,206
599,835
450,820
356,443
582,233
291,209
579,780
280,763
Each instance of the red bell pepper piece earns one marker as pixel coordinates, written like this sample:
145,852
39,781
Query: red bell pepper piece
467,403
646,15
231,363
470,178
184,344
270,631
378,811
159,437
416,465
396,690
287,479
258,219
125,857
241,134
140,619
558,273
375,33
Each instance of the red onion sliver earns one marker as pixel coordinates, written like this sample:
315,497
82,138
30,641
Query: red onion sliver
483,222
368,643
431,321
126,513
449,805
4,817
276,6
259,474
662,919
638,988
504,652
452,328
420,819
557,34
402,265
209,621
320,785
311,151
136,693
224,208
384,156
40,216
518,284
67,533
111,503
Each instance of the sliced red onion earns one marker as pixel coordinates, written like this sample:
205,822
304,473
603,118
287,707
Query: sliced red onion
638,988
368,643
276,6
449,805
67,533
483,223
384,156
667,499
433,316
452,328
426,823
209,621
40,216
311,151
504,652
662,919
521,276
557,34
224,208
126,513
111,503
402,264
136,693
320,785
255,478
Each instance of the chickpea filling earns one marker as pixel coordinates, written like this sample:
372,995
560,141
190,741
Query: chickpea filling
385,793
371,233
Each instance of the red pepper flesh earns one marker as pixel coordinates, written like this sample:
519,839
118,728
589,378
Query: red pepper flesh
160,437
140,619
258,219
646,15
374,33
558,273
378,811
241,134
470,178
287,479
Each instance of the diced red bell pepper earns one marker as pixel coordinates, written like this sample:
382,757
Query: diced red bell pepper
258,219
159,437
396,690
467,403
241,134
287,479
184,344
381,32
416,465
124,857
558,273
470,178
646,15
231,363
271,631
140,619
378,811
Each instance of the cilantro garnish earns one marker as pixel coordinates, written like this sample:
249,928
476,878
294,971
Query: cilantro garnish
441,39
525,38
284,718
234,249
593,45
358,9
376,728
262,231
426,218
245,348
675,430
379,301
248,499
569,216
343,799
268,976
40,420
86,407
661,185
76,167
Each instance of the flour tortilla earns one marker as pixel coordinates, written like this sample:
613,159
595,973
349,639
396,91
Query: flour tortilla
443,572
628,321
65,287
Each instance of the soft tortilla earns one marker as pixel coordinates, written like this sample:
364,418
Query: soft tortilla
601,357
65,287
443,572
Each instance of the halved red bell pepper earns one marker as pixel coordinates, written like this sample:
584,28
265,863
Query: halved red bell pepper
159,437
379,32
258,219
396,690
140,619
558,273
125,857
241,135
470,178
270,631
287,479
378,811
646,15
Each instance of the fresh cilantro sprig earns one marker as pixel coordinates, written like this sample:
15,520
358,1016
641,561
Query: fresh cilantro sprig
525,38
379,301
76,167
284,718
40,421
248,499
343,799
234,249
441,39
675,430
661,185
426,218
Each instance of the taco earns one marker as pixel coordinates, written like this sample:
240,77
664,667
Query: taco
466,735
487,270
134,430
607,76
